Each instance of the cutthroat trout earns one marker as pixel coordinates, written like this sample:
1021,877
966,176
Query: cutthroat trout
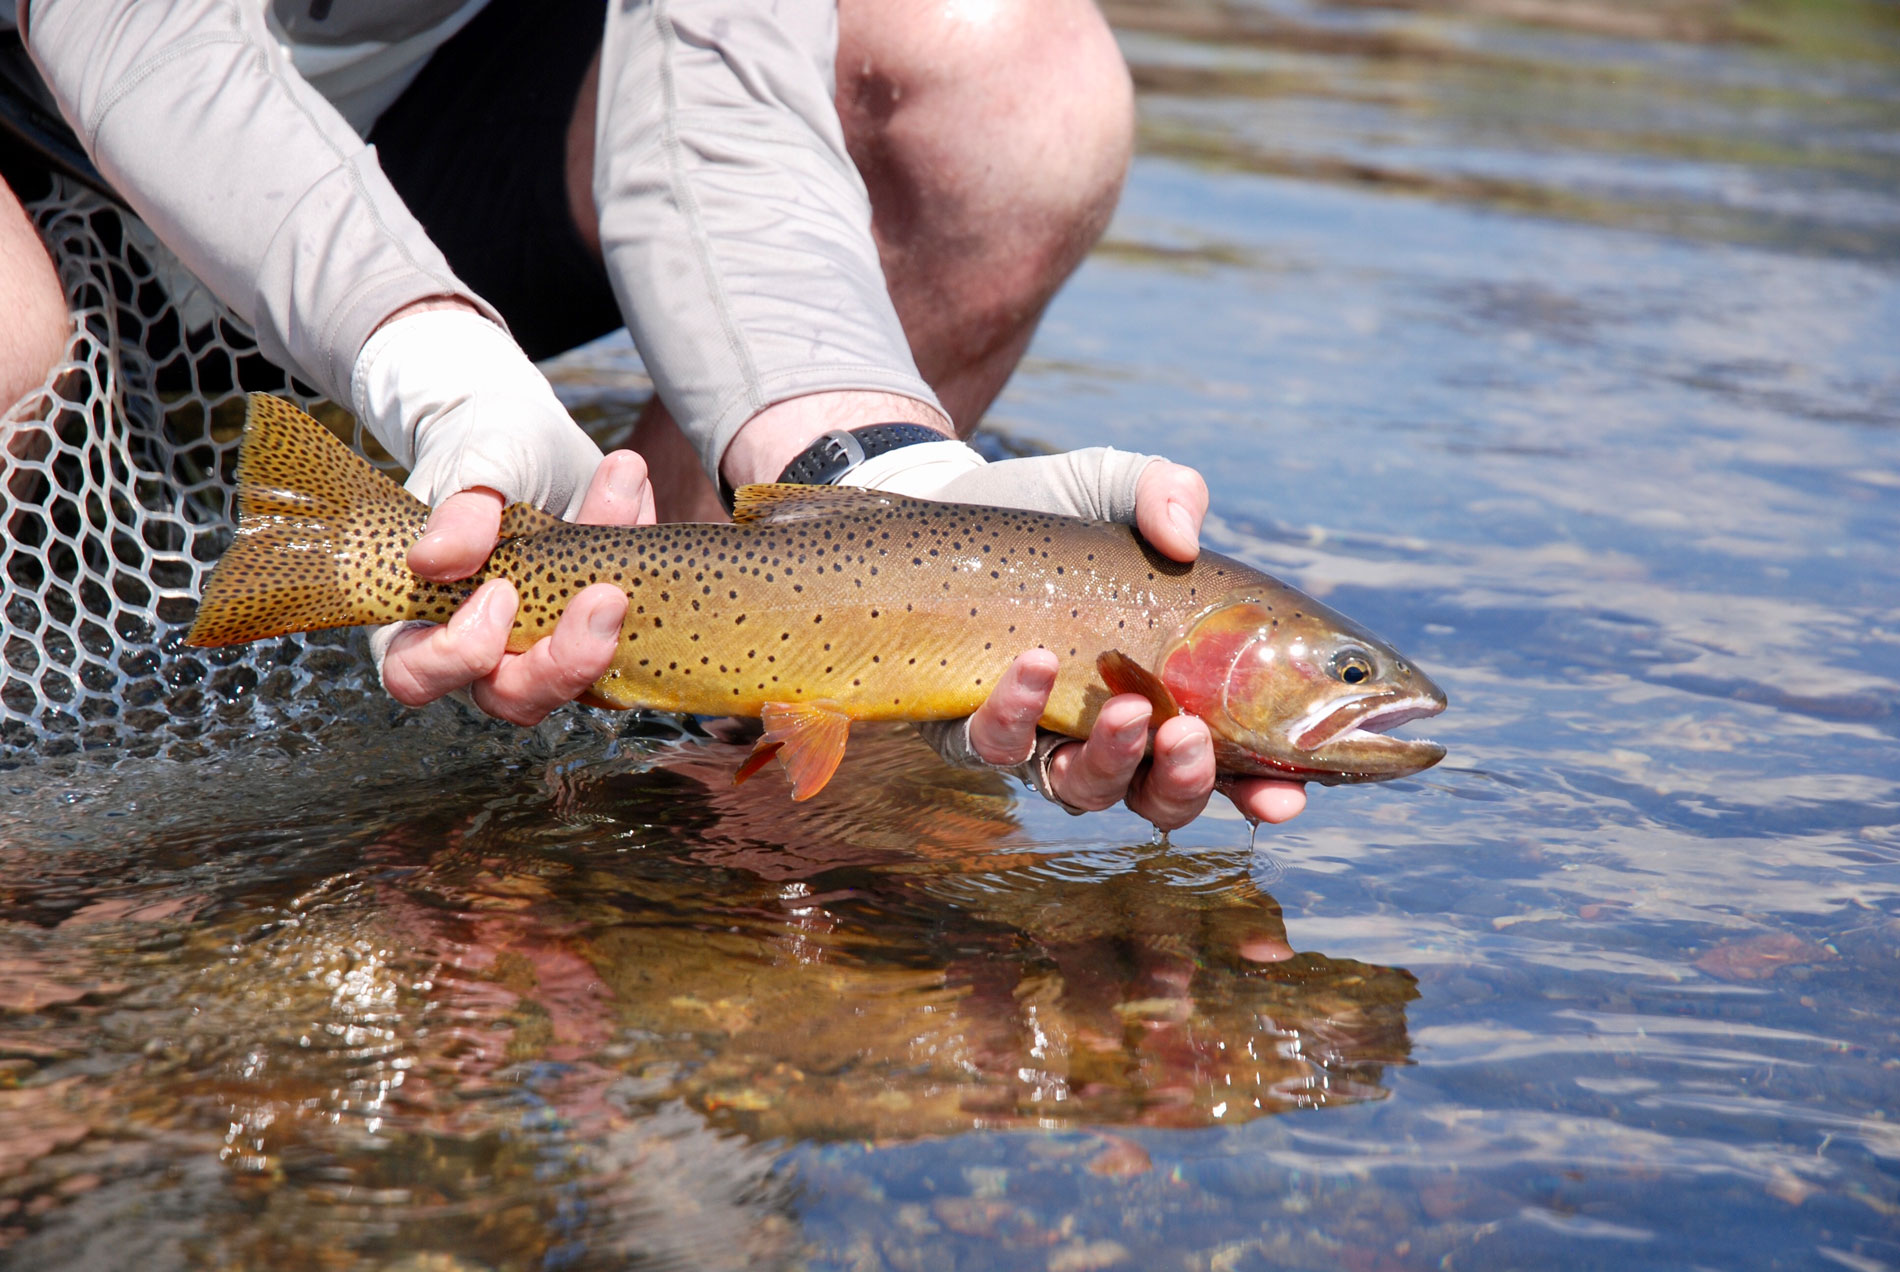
821,605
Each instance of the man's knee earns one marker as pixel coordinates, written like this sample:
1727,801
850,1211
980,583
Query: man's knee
1018,108
34,335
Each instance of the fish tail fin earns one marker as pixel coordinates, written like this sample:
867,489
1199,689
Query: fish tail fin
322,539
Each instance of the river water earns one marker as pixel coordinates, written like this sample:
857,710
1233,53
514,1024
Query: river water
1557,342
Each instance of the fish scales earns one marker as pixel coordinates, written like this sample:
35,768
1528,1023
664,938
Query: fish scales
891,608
822,605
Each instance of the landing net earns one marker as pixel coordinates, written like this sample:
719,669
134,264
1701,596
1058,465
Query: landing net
115,501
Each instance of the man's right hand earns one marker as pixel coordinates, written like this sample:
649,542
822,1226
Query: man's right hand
451,396
423,662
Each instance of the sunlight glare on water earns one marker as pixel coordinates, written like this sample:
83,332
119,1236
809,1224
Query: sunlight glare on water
1560,353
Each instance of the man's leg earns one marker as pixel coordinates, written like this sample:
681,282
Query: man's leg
993,138
33,331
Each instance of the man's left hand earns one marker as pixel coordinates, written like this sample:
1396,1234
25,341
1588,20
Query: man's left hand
1170,501
1167,503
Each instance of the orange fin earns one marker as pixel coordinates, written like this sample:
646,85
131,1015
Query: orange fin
807,737
518,520
1123,674
768,501
762,753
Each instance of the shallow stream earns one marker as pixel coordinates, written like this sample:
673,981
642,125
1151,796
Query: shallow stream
1556,340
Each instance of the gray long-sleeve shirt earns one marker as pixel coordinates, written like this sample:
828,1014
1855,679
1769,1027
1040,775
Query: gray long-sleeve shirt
735,226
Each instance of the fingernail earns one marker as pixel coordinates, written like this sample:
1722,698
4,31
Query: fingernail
472,612
1183,520
1039,679
1129,732
1192,750
1265,949
605,624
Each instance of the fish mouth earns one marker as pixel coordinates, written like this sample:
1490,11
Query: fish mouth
1352,736
1357,719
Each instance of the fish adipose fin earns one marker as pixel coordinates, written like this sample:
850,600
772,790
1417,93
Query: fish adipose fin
768,502
322,536
1123,674
808,738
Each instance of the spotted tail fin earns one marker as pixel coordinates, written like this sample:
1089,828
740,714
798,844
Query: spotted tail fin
322,539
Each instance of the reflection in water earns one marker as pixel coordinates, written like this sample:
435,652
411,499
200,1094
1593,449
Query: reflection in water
573,1024
402,993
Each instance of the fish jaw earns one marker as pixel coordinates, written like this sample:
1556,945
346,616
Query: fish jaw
1348,741
1348,744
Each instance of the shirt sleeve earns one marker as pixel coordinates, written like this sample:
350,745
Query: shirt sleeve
193,113
736,229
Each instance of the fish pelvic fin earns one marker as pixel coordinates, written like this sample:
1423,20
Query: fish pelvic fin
762,753
807,737
322,540
1123,674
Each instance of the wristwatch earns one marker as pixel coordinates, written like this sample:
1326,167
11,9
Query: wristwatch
836,453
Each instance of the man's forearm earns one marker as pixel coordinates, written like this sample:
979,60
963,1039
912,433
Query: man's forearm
190,109
738,232
774,437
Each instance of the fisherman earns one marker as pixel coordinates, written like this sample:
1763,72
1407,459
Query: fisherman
830,226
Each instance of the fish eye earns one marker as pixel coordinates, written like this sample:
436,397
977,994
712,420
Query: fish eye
1354,666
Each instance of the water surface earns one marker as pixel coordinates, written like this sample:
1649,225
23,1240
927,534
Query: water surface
1556,342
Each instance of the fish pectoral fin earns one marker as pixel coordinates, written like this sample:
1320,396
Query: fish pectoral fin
807,737
767,502
1123,674
519,520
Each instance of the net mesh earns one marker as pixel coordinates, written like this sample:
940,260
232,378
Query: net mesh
115,501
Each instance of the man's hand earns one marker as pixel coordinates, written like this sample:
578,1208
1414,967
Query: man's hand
450,395
423,662
1167,502
1173,788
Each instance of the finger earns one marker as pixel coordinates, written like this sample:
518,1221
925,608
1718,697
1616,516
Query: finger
620,493
1265,949
1096,773
1003,730
461,533
1170,502
426,662
1177,785
558,668
1265,799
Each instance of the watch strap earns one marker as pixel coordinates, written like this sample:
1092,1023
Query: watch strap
838,452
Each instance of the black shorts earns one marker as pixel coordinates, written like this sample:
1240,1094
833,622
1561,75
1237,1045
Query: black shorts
477,147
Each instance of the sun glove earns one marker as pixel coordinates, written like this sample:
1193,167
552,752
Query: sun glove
453,399
1097,482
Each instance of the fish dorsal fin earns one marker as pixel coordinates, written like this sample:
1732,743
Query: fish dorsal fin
788,501
807,737
519,520
1123,674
